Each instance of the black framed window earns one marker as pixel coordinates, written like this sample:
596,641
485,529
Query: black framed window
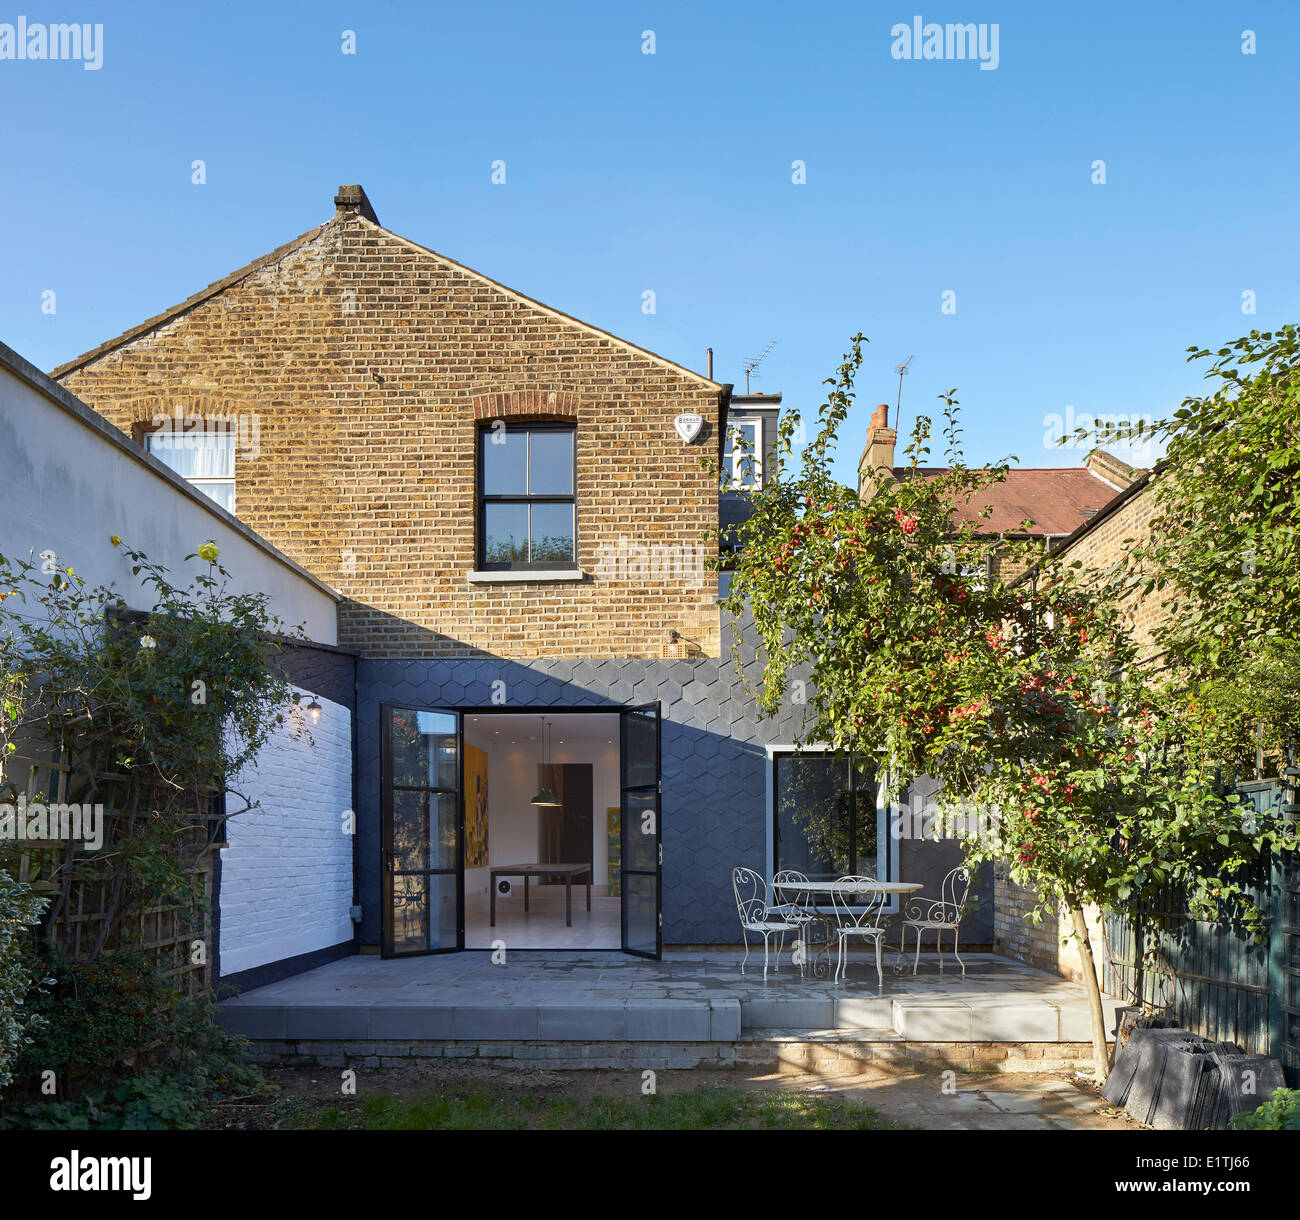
826,823
527,502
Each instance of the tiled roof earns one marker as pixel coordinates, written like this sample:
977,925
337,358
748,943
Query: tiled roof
1056,499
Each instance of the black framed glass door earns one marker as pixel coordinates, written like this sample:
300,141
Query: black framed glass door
423,831
641,867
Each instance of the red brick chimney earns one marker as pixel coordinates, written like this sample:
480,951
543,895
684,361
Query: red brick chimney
878,452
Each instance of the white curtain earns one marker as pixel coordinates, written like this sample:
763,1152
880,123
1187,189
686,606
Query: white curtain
195,455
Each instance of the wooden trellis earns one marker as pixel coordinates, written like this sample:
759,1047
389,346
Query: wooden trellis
168,934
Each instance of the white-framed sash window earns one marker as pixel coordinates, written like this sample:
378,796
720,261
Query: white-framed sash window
744,456
205,458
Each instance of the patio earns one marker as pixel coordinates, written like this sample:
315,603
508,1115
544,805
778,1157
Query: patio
558,996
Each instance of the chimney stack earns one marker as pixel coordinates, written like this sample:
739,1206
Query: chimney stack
1110,469
353,199
877,452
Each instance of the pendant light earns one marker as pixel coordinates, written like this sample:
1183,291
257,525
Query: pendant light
544,795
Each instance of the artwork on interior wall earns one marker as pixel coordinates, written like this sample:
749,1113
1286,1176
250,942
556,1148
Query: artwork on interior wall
614,839
476,807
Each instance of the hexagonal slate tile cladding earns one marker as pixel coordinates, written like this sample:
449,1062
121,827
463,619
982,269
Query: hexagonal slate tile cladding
715,771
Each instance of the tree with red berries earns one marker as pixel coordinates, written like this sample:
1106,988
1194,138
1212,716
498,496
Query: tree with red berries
926,645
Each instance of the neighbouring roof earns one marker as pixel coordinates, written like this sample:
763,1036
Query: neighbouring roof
1140,484
1057,499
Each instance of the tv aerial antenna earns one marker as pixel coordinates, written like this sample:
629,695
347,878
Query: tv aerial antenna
751,365
902,370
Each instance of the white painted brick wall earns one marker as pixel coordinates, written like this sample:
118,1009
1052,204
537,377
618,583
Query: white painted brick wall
286,878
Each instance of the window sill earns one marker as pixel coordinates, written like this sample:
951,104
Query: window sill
539,576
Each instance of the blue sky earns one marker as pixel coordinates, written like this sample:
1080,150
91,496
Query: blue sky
671,172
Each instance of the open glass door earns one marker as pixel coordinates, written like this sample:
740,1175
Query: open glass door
641,870
423,832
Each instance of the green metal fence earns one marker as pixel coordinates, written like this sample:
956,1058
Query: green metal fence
1213,977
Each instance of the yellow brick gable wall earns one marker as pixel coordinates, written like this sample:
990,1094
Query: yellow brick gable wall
370,365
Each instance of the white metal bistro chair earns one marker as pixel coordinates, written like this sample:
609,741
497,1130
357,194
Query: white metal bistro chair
794,905
859,913
756,914
940,915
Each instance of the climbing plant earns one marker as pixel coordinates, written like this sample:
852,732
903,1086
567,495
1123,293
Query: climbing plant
152,715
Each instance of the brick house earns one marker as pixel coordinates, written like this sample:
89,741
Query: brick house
513,506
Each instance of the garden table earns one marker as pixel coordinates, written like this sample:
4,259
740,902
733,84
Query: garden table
804,894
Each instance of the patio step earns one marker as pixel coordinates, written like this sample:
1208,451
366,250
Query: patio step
1000,1017
837,1052
566,999
988,1017
650,1020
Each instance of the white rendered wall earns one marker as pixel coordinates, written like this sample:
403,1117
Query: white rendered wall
286,878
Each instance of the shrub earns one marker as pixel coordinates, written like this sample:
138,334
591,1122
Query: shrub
95,1015
99,1018
20,909
1280,1113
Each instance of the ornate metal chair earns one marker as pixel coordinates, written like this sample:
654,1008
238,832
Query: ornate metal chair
862,919
940,915
756,915
795,906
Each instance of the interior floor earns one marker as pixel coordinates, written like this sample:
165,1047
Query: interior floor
543,926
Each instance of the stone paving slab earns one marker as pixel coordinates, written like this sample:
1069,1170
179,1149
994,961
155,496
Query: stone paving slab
687,997
1034,1103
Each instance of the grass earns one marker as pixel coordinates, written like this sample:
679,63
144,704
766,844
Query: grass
478,1108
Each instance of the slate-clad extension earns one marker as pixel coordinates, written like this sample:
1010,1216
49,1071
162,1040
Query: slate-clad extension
715,771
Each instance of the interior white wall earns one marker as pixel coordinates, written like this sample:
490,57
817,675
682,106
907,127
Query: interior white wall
513,821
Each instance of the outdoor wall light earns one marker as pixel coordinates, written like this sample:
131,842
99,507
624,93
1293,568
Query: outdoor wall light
313,710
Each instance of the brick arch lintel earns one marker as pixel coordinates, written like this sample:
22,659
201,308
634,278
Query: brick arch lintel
528,403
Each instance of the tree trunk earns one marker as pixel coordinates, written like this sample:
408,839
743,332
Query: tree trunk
1100,1051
